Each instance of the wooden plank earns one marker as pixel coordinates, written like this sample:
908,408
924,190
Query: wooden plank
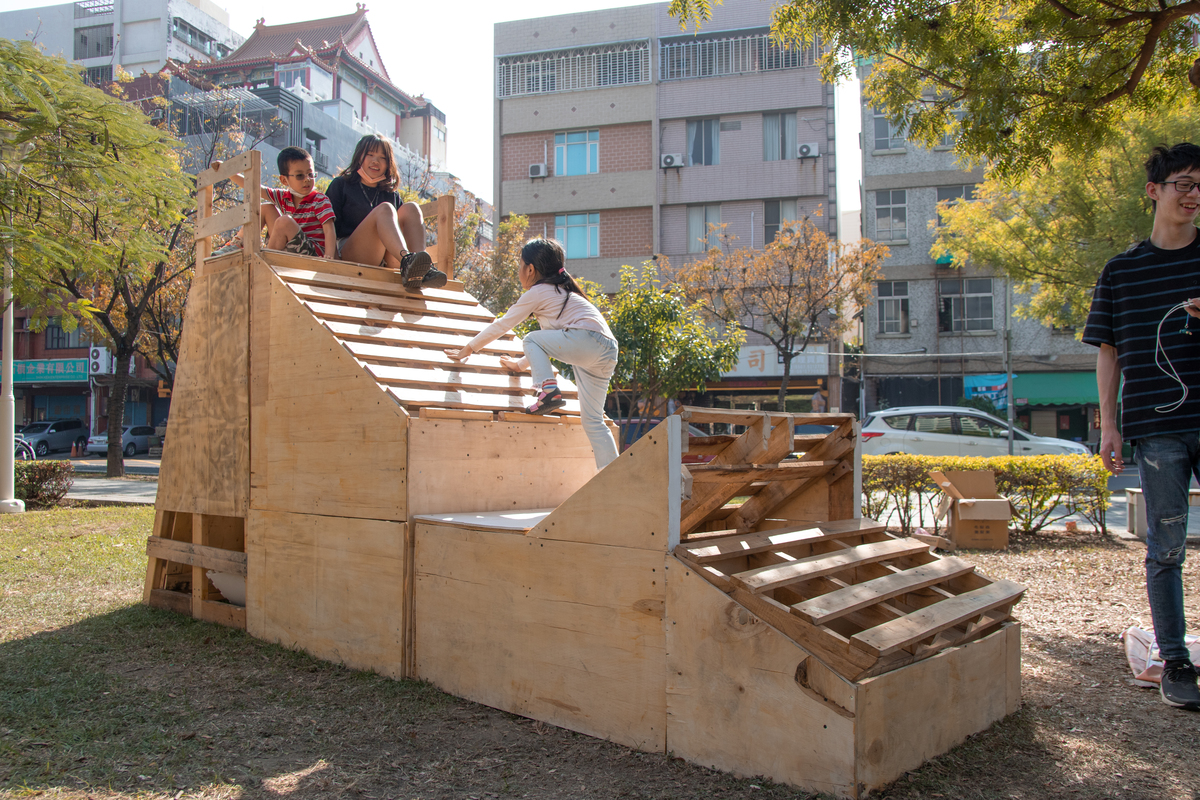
346,275
776,498
733,699
452,399
204,204
349,330
926,622
213,558
179,602
228,219
226,614
570,633
448,413
518,416
210,177
398,319
452,380
252,232
827,607
763,579
399,353
408,303
722,473
776,539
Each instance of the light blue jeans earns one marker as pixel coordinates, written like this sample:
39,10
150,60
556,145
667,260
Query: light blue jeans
1166,464
594,358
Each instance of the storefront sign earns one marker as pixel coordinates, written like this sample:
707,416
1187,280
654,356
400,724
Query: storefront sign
53,370
990,387
758,361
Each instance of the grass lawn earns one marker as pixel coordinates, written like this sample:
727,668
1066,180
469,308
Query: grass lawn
101,697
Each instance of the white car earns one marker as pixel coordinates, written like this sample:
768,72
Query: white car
953,431
134,439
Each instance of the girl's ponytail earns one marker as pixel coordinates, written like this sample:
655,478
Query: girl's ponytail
548,259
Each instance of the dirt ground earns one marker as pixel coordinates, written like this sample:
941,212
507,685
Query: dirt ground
141,703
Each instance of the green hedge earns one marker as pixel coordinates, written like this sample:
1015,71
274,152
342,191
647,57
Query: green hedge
1036,485
42,483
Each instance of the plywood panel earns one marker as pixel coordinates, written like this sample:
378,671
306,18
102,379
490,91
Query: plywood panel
733,700
914,713
333,440
206,460
630,502
331,586
568,633
467,465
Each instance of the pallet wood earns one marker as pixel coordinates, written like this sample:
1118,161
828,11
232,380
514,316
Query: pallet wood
214,558
373,333
772,577
346,275
838,603
404,303
468,399
398,319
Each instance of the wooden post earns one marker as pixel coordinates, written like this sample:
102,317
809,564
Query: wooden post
252,233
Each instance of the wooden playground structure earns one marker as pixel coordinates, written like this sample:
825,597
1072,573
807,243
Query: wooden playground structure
394,511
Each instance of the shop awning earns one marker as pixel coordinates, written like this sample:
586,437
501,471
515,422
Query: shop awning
1055,389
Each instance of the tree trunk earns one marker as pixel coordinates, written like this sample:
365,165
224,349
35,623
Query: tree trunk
116,414
783,382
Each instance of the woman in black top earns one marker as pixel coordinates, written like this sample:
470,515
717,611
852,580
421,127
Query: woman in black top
374,226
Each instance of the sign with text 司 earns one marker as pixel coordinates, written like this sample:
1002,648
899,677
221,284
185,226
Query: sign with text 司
764,361
50,370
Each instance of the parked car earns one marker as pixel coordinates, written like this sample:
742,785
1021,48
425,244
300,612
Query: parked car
51,435
633,429
953,431
134,439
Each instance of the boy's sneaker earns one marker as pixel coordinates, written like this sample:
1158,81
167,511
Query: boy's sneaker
1178,687
434,279
414,266
234,246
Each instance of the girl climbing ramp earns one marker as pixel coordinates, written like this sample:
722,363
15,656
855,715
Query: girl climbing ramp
573,331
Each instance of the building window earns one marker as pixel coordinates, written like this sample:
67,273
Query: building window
98,76
710,58
704,142
953,194
577,153
94,41
887,135
957,114
287,78
891,215
570,70
893,306
579,233
701,237
966,305
779,136
775,214
58,339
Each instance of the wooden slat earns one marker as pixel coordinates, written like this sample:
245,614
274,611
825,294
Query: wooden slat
764,579
179,602
452,379
498,402
209,177
518,416
379,286
760,506
456,413
777,539
406,303
375,334
737,416
398,353
820,610
375,316
197,555
727,473
912,628
230,218
225,614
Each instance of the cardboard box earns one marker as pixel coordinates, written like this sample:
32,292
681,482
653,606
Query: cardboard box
977,517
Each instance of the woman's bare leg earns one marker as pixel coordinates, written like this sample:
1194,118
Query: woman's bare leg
412,226
378,235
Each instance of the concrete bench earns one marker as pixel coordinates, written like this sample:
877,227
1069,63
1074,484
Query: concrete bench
1137,512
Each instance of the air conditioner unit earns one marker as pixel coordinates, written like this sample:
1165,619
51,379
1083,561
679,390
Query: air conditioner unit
100,361
671,160
537,170
808,150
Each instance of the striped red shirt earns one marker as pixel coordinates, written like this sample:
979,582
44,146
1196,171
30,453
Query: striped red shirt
310,213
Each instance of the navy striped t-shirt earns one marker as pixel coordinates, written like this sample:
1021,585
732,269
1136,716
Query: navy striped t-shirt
1135,290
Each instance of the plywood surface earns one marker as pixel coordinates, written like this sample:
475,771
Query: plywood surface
568,633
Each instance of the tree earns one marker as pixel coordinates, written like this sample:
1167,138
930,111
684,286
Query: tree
99,205
491,275
665,344
1024,76
797,290
1053,232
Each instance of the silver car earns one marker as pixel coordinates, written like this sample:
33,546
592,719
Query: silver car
134,439
51,435
953,431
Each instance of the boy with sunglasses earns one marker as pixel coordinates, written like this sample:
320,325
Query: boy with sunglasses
1139,318
299,219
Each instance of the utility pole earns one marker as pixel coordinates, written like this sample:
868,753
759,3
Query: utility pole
10,163
1012,401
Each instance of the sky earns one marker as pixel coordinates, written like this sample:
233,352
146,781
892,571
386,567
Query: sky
443,50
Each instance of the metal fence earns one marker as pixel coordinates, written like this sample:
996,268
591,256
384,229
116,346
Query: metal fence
713,57
93,8
568,70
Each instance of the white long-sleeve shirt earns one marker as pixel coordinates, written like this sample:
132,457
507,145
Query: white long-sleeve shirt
544,301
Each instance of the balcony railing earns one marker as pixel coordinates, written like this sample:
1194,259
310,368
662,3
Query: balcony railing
714,57
570,70
93,8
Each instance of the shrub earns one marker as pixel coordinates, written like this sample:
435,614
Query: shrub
1036,485
42,483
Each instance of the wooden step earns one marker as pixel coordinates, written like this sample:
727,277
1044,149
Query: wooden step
408,303
838,603
926,622
765,541
393,287
764,579
787,471
453,379
465,399
370,333
399,319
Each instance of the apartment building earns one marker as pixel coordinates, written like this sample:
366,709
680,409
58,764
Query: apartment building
936,324
625,137
139,35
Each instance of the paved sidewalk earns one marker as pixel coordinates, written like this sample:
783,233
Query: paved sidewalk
114,490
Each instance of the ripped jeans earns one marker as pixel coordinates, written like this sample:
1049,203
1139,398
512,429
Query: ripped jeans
1166,465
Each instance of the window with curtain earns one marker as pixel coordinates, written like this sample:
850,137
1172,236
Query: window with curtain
887,135
891,215
893,306
700,235
704,142
775,214
577,153
966,305
579,234
779,136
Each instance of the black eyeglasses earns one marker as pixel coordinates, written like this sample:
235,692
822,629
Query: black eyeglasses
302,175
1183,185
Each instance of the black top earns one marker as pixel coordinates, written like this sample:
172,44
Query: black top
352,202
1134,293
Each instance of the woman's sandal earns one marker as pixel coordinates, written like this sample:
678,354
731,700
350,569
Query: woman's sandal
547,402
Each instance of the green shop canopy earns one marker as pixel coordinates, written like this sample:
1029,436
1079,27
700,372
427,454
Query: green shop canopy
1055,389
